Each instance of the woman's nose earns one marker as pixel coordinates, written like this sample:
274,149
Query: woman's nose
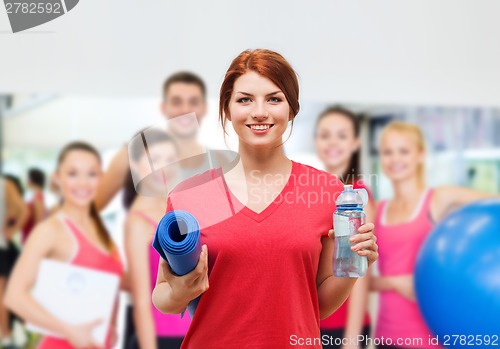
260,111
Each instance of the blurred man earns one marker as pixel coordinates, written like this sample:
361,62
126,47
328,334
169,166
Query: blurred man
183,93
14,214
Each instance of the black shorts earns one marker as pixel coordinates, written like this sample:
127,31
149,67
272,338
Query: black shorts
3,262
8,258
129,333
130,337
335,337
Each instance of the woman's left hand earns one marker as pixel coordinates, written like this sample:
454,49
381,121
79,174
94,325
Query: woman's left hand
364,243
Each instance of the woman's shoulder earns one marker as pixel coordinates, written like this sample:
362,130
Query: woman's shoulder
315,180
48,230
52,223
320,176
141,215
196,180
138,205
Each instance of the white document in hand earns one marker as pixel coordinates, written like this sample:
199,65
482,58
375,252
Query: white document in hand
76,295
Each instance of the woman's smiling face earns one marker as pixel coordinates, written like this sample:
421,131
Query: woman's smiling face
400,156
258,111
336,140
78,176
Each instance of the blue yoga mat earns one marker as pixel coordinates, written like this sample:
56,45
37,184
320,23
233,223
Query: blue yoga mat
177,240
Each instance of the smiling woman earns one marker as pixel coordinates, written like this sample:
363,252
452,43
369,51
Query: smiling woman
74,235
261,85
269,265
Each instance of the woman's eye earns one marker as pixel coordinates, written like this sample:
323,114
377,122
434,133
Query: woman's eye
244,100
275,100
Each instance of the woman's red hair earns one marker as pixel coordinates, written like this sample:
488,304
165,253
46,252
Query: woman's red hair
270,65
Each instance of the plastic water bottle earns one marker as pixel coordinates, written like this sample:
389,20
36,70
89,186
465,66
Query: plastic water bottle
348,217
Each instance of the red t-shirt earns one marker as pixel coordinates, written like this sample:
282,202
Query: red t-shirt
262,266
338,320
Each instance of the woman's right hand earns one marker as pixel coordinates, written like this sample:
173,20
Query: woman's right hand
80,336
189,286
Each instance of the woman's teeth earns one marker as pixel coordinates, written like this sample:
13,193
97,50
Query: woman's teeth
397,168
333,152
82,194
260,127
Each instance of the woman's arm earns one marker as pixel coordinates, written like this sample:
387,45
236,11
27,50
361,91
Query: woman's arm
358,300
402,284
38,210
113,179
137,243
18,297
333,291
445,199
16,209
358,305
113,323
125,282
381,283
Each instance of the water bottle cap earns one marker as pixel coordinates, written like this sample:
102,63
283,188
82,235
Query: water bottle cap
357,198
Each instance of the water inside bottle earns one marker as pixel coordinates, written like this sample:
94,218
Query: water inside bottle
348,263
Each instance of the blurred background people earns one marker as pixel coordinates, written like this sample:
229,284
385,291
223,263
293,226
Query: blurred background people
441,76
36,206
337,141
154,330
402,224
14,216
182,93
466,146
75,234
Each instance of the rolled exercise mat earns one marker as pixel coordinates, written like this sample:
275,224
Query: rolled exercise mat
177,240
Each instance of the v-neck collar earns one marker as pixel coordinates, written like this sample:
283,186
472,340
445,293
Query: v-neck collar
278,200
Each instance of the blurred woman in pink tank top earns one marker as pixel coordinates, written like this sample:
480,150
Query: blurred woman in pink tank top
75,235
338,147
402,224
154,330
